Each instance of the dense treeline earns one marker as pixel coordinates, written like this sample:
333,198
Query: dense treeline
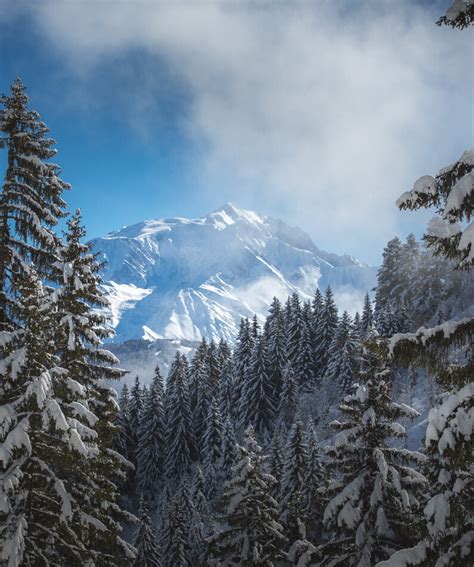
246,425
59,476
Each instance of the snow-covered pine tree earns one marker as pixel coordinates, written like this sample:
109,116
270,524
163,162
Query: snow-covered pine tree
373,497
343,358
135,410
47,441
174,534
213,367
390,280
228,451
367,319
213,436
293,328
289,398
304,364
274,333
255,328
447,351
146,541
30,199
122,442
251,534
293,484
151,440
276,462
80,327
180,440
258,401
315,483
242,356
226,388
325,332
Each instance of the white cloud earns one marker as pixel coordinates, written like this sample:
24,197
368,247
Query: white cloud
325,109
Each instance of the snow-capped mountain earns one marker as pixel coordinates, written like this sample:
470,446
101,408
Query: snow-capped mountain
185,278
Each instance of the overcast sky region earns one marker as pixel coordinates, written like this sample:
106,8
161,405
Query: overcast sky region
319,112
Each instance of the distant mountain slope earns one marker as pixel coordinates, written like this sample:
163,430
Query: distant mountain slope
184,278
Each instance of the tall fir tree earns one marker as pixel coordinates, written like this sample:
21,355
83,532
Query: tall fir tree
30,200
180,440
447,351
325,332
367,319
251,534
151,440
258,401
274,333
146,541
81,327
373,499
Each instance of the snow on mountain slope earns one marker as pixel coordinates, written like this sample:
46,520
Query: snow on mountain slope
184,278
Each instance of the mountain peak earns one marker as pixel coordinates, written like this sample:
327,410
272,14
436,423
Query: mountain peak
181,278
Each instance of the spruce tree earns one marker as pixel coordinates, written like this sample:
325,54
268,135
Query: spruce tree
213,434
274,333
301,550
367,320
293,484
242,355
122,442
251,534
289,398
447,351
51,453
151,440
293,329
30,199
258,401
81,327
228,450
304,363
373,501
325,332
315,483
343,358
180,440
146,541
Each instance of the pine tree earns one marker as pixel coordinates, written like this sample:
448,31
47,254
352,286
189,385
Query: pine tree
252,534
390,281
274,334
174,537
342,360
212,442
447,351
180,441
146,541
305,366
242,355
151,440
293,329
276,463
30,200
293,484
123,441
80,328
325,333
135,410
258,402
367,320
228,451
289,399
373,498
315,483
48,449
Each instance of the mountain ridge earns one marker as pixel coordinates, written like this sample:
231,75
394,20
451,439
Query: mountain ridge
181,278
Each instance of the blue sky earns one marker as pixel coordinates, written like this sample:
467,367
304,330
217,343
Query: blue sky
319,113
